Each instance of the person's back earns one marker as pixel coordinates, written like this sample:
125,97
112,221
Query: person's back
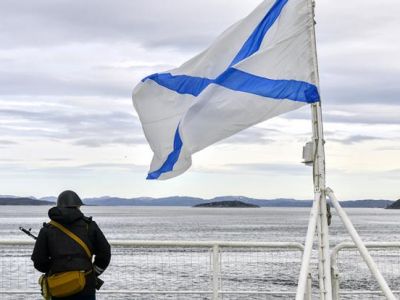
56,252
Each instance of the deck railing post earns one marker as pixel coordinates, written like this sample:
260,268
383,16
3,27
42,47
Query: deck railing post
308,294
216,271
335,281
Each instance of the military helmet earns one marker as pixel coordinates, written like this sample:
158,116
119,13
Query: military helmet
69,199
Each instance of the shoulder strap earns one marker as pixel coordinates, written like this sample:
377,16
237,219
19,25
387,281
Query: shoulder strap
73,236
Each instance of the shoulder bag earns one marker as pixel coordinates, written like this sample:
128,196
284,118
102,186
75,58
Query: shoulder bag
66,283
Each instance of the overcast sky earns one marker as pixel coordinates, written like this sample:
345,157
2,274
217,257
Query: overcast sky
67,121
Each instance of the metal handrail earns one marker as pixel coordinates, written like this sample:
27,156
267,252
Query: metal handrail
196,244
335,271
214,246
361,247
371,245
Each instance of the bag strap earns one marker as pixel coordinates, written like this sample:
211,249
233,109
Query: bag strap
72,236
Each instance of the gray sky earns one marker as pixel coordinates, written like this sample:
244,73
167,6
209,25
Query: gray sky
66,118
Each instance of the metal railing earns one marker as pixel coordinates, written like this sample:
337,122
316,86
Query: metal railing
211,270
174,270
362,249
351,278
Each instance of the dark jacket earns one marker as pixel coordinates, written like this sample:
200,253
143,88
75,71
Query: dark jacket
55,252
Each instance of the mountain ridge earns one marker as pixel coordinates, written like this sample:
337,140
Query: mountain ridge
190,201
23,201
394,205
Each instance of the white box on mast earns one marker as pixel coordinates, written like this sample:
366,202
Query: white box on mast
308,153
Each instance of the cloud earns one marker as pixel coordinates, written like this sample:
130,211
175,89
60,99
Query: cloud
10,160
68,69
354,139
367,113
252,136
282,169
389,148
30,82
78,127
7,143
358,59
63,49
72,169
154,23
119,166
98,142
60,159
75,119
395,173
361,84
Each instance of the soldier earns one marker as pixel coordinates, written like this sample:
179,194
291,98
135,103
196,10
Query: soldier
56,252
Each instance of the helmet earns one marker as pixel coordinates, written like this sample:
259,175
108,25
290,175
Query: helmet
69,199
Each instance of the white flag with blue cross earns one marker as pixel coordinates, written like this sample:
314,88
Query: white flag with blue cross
260,67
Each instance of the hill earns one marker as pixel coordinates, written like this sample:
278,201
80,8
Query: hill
144,201
395,205
189,201
235,204
23,201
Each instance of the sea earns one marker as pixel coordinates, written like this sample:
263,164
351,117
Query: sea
188,269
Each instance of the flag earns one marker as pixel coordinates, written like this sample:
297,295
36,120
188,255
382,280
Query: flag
259,68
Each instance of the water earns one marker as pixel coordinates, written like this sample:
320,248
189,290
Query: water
204,224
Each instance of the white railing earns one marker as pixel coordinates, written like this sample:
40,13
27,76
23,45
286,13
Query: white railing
362,249
175,270
351,278
211,270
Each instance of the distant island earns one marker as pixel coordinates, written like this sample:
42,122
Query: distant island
395,205
236,204
188,201
24,201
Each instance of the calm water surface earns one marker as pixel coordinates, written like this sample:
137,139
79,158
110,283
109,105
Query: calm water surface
199,224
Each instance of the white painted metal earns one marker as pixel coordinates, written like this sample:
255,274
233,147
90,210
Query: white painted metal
305,264
348,245
319,183
319,173
308,295
320,257
195,244
308,153
215,246
368,293
17,242
335,281
141,292
160,244
216,272
361,247
254,293
130,292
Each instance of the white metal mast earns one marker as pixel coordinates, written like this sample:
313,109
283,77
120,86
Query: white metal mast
319,175
318,214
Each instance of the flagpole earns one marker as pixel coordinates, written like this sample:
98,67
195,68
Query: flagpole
319,188
321,192
319,177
